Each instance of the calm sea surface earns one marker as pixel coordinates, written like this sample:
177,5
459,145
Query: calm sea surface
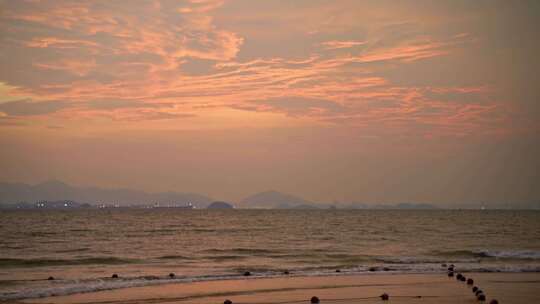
81,249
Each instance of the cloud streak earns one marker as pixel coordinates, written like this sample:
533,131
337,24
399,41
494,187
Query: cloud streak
335,44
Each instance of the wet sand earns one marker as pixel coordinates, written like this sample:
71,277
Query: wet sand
409,288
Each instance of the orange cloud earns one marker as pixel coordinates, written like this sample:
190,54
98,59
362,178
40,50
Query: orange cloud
405,53
335,44
59,43
76,67
116,54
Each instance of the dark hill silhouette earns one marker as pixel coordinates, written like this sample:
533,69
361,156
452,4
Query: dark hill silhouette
220,205
57,190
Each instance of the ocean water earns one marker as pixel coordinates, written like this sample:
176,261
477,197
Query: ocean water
81,249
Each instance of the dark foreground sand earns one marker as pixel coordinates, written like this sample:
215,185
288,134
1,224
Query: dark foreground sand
410,288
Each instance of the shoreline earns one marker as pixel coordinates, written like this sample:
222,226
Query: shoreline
402,288
59,287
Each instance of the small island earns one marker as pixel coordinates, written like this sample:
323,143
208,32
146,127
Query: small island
220,205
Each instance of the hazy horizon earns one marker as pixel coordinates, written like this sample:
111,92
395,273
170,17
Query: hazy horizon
350,101
268,199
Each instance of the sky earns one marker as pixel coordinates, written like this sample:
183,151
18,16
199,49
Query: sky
334,101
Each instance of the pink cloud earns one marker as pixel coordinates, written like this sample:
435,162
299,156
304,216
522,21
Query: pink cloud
336,44
139,54
60,43
76,67
405,53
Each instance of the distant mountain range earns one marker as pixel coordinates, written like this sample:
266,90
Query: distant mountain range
276,200
11,193
56,191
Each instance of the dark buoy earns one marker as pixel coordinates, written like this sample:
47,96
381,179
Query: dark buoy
172,275
481,297
493,302
286,272
479,291
337,270
463,279
474,289
315,300
450,274
372,269
227,301
385,297
451,268
50,278
247,274
114,276
470,281
459,276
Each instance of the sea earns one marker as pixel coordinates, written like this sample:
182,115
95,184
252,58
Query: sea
82,249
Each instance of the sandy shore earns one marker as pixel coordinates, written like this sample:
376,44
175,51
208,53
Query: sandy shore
410,288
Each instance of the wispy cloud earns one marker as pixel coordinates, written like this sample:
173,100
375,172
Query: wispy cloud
131,62
335,44
30,108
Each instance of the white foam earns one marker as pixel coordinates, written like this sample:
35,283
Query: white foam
516,254
84,286
67,287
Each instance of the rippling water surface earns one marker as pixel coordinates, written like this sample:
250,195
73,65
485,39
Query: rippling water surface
82,248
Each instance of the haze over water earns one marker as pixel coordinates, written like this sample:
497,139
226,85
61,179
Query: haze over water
81,249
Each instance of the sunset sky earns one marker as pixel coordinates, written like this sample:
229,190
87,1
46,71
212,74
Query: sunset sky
350,101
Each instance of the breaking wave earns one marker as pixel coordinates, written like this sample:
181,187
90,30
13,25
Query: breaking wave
498,254
67,287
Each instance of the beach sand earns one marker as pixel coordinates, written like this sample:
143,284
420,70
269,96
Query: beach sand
409,288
